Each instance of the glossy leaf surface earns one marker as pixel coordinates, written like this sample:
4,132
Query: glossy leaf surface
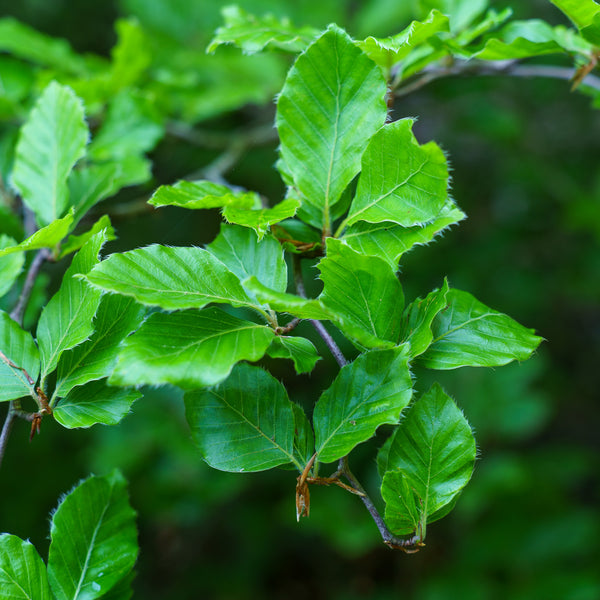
261,219
189,348
371,391
246,423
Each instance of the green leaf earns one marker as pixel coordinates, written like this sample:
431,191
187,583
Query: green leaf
46,237
388,51
90,185
400,181
22,571
261,219
75,242
116,318
367,393
245,423
170,277
19,359
304,437
202,194
585,14
131,55
132,126
468,333
298,349
52,140
430,460
10,266
363,295
303,308
461,12
390,242
417,319
189,348
333,100
93,539
240,250
66,320
94,402
253,34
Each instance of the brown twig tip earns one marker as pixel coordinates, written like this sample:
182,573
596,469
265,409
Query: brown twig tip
302,491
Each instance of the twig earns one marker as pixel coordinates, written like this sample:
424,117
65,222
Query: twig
19,309
7,428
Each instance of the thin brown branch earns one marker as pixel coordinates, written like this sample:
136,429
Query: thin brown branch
34,269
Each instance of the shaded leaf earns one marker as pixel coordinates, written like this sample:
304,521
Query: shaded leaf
304,438
430,460
66,320
169,277
367,393
93,539
18,352
331,103
298,349
22,571
90,185
10,266
468,333
246,423
363,295
52,140
94,402
253,34
116,318
131,55
189,348
400,181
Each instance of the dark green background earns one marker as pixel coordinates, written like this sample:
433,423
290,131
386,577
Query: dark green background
524,155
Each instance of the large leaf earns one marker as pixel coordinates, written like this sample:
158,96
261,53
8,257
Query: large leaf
468,333
400,181
116,318
22,571
170,277
363,294
332,102
10,266
252,34
94,402
240,250
66,320
300,350
52,140
94,539
390,241
19,361
585,14
75,242
430,460
371,391
244,424
189,348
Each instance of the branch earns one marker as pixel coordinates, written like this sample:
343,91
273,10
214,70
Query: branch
7,428
19,309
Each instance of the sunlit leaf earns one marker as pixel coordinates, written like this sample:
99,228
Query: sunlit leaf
371,391
261,219
245,423
189,348
331,103
304,437
585,14
10,266
75,242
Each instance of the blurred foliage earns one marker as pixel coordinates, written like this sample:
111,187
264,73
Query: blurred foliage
524,156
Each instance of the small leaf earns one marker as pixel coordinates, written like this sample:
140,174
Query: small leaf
468,333
240,250
400,181
93,539
245,423
10,266
253,34
203,194
94,402
261,219
22,571
304,438
371,391
363,295
19,358
417,319
298,349
170,277
46,237
52,140
116,318
430,460
90,185
75,242
331,103
66,320
189,348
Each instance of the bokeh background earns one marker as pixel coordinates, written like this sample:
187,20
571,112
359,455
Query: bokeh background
524,155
